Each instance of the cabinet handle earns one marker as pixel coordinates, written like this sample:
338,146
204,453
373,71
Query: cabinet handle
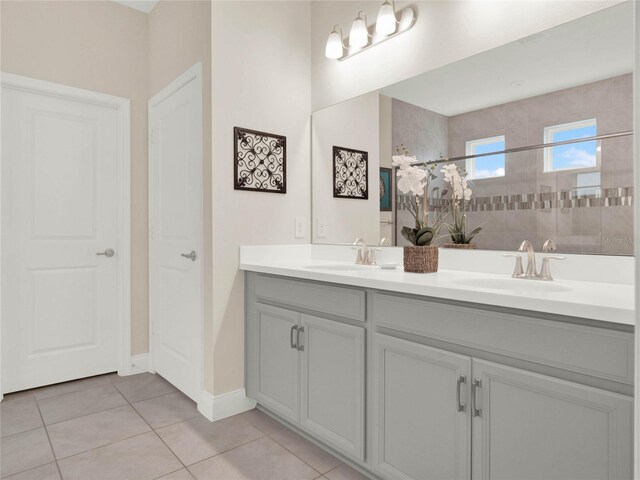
298,346
461,406
293,328
477,383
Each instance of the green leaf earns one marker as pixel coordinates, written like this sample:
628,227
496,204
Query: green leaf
426,237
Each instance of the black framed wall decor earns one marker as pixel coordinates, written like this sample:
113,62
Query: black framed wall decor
260,161
350,173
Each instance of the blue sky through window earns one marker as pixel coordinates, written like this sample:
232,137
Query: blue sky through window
491,165
576,155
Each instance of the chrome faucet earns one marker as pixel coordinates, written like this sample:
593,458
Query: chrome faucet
363,253
545,271
366,256
527,247
531,271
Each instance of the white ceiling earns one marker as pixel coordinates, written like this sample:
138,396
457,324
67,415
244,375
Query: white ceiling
142,5
585,50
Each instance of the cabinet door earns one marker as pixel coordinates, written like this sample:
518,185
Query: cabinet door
332,380
420,429
278,365
536,427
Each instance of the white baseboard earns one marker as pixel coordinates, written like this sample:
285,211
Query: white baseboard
225,405
138,364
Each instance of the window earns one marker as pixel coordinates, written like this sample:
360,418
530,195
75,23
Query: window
588,184
573,155
490,166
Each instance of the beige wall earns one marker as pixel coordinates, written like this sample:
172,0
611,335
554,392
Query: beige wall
261,81
99,46
180,36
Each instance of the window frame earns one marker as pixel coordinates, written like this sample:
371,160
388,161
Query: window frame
471,162
551,130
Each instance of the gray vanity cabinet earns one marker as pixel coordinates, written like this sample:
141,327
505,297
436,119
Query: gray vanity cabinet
532,426
311,371
332,383
277,385
421,427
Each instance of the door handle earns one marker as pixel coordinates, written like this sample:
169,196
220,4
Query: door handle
461,406
477,383
293,328
298,346
192,255
109,252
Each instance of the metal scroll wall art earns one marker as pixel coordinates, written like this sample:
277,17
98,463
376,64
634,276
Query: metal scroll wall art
350,173
260,161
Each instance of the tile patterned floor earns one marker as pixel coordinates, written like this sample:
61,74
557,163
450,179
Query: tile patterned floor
141,428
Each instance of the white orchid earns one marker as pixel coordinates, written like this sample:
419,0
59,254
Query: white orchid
402,161
458,183
460,194
412,180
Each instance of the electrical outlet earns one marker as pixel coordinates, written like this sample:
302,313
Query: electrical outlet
299,227
322,229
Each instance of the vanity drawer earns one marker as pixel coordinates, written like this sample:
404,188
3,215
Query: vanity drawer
340,301
597,352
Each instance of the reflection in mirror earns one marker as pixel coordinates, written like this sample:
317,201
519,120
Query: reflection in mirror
491,116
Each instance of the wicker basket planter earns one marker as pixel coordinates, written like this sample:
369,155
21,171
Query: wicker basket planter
421,259
465,246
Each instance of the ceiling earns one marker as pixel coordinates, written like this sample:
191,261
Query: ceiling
591,48
142,5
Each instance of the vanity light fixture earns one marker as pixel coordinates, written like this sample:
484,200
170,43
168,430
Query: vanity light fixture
387,26
335,46
359,35
387,21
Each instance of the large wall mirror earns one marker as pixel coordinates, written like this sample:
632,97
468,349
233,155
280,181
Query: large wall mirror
492,115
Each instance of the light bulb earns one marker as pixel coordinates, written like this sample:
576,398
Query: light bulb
334,48
386,22
359,35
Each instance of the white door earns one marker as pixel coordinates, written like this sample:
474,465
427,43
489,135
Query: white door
61,301
175,262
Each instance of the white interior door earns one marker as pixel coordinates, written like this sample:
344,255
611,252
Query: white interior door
175,123
61,162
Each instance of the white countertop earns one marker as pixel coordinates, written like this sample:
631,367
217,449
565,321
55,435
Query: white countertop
609,302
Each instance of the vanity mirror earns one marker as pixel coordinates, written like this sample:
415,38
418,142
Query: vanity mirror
542,127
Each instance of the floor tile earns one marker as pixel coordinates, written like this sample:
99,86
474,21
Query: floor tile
16,395
144,457
76,404
262,421
198,438
95,430
182,474
344,472
262,459
143,386
70,387
306,451
24,451
45,472
19,415
167,409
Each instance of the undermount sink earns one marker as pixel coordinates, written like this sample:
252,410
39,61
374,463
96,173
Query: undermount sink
341,267
516,285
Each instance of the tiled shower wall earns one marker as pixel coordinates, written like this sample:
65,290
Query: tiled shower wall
528,203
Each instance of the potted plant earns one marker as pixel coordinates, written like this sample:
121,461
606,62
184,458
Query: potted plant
422,255
460,195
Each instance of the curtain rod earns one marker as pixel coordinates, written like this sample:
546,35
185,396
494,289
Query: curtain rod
524,149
